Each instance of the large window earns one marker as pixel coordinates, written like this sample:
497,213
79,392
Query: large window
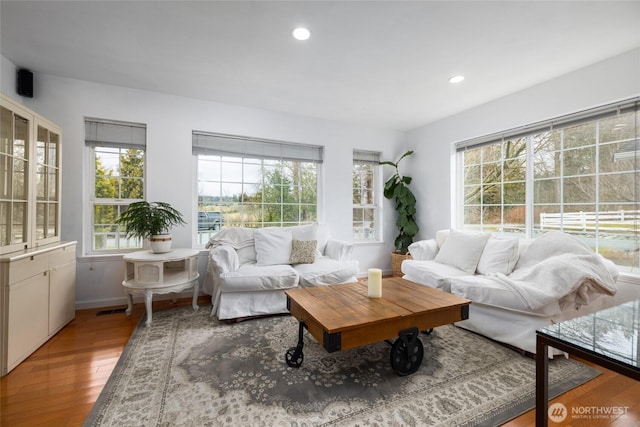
579,174
117,165
366,192
246,182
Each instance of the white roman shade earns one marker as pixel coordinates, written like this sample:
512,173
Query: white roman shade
362,156
213,144
568,120
111,133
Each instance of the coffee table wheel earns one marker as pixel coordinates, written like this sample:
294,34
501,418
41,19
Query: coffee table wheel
407,352
294,357
427,331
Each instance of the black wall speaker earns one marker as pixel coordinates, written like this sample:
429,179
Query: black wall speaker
24,85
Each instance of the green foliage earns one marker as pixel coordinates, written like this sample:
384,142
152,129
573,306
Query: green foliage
397,187
145,219
287,194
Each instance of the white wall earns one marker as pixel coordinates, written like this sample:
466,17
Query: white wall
433,164
170,121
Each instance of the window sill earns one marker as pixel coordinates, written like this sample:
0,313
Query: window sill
368,243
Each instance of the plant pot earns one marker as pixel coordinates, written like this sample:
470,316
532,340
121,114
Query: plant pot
396,263
160,243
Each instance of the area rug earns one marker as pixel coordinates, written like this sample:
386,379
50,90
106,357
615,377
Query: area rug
189,369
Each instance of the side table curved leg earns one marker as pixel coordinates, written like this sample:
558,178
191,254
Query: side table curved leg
196,292
148,305
129,303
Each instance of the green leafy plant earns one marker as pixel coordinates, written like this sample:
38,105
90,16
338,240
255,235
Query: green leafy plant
145,219
397,187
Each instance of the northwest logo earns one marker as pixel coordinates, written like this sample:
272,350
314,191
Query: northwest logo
557,412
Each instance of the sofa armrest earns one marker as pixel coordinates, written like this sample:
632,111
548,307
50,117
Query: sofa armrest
339,250
224,259
424,250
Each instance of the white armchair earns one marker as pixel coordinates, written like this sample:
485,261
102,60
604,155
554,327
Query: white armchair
241,284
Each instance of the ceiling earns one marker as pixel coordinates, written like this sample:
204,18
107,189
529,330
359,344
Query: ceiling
383,64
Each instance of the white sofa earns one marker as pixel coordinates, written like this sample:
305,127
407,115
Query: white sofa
249,269
517,286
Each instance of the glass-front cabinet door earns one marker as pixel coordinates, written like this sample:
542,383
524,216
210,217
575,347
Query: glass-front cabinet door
47,185
29,179
14,180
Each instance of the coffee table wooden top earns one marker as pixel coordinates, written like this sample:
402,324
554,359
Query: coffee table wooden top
347,311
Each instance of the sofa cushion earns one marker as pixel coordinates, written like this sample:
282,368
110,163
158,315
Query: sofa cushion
486,290
499,255
254,277
303,251
462,250
273,246
327,271
431,273
304,232
441,236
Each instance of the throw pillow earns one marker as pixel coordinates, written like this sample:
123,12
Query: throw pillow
424,250
500,255
304,232
303,251
462,250
273,246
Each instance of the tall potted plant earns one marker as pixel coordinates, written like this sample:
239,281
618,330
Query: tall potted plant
151,220
397,187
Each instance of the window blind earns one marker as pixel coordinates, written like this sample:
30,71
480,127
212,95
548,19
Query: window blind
111,133
568,120
232,145
363,156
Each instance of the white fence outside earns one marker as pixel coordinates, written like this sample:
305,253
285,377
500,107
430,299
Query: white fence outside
612,221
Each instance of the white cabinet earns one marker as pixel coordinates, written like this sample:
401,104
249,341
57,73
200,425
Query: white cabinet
37,271
37,299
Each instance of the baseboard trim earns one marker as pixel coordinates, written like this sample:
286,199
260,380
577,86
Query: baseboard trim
120,301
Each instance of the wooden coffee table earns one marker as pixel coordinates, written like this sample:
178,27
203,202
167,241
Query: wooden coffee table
341,317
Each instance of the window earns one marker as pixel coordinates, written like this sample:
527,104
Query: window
579,174
248,182
366,192
117,156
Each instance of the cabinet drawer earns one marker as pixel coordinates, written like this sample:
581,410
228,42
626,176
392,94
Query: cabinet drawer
28,267
62,256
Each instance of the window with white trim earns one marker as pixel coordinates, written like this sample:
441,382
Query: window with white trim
578,173
117,165
250,182
366,194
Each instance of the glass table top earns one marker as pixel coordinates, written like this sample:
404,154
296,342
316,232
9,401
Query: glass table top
613,333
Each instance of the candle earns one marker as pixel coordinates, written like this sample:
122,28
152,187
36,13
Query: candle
375,283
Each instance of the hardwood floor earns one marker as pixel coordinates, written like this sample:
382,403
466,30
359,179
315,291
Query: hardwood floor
60,382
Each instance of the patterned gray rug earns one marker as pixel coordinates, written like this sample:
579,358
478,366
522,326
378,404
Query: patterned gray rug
188,369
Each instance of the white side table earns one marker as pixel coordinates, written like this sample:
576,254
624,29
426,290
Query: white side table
146,273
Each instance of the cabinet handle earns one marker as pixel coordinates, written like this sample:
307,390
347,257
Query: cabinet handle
44,273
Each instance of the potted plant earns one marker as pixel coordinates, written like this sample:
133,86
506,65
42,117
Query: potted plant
151,220
397,187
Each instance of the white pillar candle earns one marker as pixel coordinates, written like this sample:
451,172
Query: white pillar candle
375,283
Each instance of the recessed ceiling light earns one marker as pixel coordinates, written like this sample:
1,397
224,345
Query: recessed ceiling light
301,33
456,79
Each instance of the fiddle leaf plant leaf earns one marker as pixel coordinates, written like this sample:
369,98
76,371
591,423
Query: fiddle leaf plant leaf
397,187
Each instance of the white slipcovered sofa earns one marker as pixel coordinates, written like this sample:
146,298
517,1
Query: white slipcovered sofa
249,269
517,286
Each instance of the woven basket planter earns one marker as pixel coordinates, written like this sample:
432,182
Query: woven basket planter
396,263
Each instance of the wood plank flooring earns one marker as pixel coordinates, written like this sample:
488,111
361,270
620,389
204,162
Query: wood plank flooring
60,382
